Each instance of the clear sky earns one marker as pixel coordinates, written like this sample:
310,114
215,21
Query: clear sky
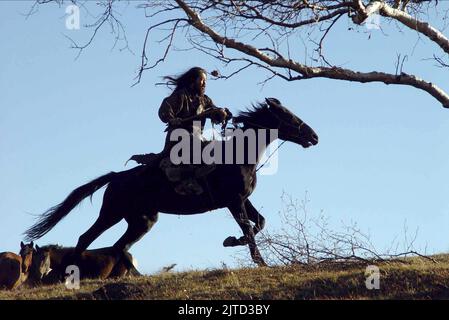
382,160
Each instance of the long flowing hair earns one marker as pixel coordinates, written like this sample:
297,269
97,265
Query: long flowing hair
184,80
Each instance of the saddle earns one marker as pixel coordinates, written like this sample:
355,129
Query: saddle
183,177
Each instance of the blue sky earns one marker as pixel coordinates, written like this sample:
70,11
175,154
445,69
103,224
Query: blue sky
382,160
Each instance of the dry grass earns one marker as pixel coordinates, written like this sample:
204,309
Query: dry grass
413,278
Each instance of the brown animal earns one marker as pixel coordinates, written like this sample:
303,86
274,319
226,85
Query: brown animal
40,268
14,269
93,264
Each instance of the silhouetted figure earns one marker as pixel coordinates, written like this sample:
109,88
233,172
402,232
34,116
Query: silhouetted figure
187,106
137,195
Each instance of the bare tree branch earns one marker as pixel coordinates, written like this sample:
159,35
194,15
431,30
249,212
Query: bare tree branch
144,62
413,23
315,72
307,239
259,31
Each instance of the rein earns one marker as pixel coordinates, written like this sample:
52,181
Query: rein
261,166
266,128
281,121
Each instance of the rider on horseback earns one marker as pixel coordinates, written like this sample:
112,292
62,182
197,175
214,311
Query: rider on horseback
188,102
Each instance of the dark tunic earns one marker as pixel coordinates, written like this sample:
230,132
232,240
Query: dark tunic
182,104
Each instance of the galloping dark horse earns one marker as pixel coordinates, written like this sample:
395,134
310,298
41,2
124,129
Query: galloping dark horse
138,194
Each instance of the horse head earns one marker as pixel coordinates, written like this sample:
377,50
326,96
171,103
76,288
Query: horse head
291,127
273,115
26,252
41,263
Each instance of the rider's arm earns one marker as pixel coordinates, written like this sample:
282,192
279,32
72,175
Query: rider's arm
218,116
209,104
170,107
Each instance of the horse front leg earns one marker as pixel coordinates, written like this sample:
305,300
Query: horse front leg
254,216
259,224
238,211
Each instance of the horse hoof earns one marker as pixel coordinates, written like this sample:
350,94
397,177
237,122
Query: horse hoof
261,263
257,259
230,242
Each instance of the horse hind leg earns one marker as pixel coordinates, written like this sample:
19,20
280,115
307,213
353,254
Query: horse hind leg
123,268
107,218
105,221
138,226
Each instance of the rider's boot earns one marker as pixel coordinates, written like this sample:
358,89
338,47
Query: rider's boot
147,158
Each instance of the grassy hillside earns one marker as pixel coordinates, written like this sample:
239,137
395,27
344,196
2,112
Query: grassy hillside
414,278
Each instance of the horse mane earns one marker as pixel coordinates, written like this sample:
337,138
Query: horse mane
54,247
254,114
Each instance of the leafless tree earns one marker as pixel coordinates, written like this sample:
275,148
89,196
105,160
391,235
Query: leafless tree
306,238
267,34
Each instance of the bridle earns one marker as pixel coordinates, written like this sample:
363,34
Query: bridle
280,123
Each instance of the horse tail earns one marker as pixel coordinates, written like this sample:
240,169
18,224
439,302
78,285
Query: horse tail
133,270
55,214
130,264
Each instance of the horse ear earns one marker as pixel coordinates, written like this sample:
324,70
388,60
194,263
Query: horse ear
272,102
22,244
32,244
37,248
